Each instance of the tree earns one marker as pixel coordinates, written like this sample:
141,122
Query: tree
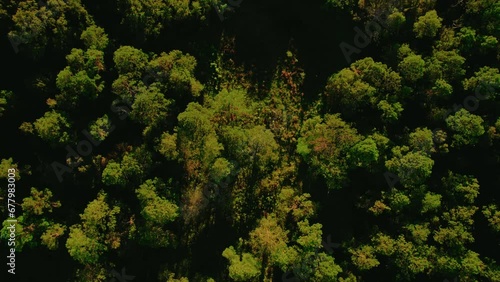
53,128
198,141
150,107
97,233
422,139
364,257
80,80
390,111
299,206
485,82
155,208
50,238
463,189
83,248
5,165
243,267
396,19
52,23
23,231
129,60
174,72
468,39
346,88
427,25
431,202
268,237
133,166
363,153
232,108
323,142
261,149
100,128
487,11
5,96
150,17
94,37
413,168
365,83
492,214
467,128
442,88
447,65
168,146
39,202
412,68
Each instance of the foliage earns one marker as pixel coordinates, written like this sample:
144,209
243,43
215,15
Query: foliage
53,128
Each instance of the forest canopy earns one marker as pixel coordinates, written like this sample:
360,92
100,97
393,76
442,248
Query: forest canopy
211,140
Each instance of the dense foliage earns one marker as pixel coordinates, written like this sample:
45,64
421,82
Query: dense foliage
213,140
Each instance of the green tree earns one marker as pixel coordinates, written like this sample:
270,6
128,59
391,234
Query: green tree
323,143
243,267
150,108
447,65
113,174
94,37
412,68
83,248
97,233
174,72
363,153
50,23
467,128
5,96
268,237
422,139
5,165
50,238
168,146
365,83
431,202
364,257
396,19
492,214
390,111
413,168
130,60
39,202
442,88
463,189
485,82
427,25
23,231
80,80
53,128
100,128
155,208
